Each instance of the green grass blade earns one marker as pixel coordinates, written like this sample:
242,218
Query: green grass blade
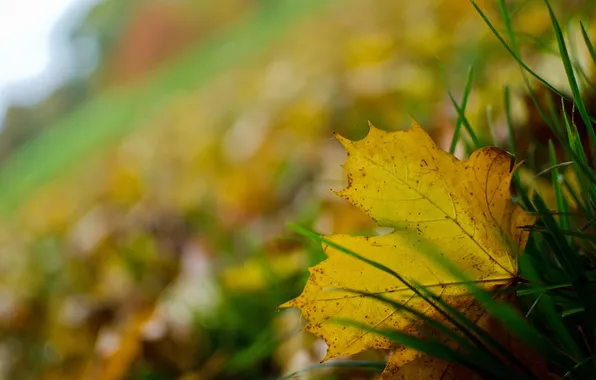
576,149
461,116
575,62
562,205
557,240
508,26
464,103
512,52
537,289
551,119
588,42
576,233
510,132
579,202
569,260
574,141
573,311
364,365
547,306
577,98
568,375
546,48
554,166
434,348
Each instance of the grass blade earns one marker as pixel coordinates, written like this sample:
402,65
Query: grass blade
464,103
461,116
451,314
431,347
510,132
512,52
577,98
562,205
548,308
588,42
365,365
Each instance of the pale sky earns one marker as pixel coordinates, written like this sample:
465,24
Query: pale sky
32,57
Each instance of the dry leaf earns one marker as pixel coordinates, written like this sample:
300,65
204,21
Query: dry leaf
404,181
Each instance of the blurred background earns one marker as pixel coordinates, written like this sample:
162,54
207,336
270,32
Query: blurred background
152,153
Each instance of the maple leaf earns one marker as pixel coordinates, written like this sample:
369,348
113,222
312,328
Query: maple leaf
404,181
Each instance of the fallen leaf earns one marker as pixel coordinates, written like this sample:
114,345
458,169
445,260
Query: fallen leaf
402,180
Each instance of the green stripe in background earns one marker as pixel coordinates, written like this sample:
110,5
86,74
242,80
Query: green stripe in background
113,114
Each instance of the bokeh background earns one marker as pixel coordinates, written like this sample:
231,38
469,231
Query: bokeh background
153,152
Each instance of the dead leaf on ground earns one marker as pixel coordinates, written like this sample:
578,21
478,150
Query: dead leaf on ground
402,180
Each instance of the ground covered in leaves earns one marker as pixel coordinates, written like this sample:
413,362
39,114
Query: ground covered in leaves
161,249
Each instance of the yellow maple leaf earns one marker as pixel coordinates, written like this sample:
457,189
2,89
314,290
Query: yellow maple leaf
404,181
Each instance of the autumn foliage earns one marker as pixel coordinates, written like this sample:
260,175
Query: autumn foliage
404,181
144,235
